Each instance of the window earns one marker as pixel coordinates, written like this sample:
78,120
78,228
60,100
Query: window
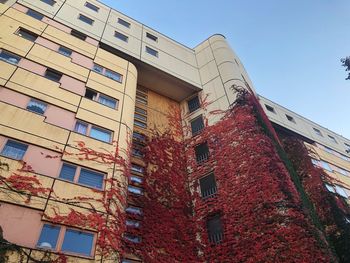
108,73
326,166
152,51
269,108
140,110
193,104
123,22
134,210
140,117
9,57
121,36
197,125
208,185
290,118
34,14
75,241
348,148
100,98
332,139
317,131
215,229
65,51
135,190
133,223
3,1
49,2
136,152
37,106
26,34
341,191
81,127
136,179
202,152
315,162
90,94
92,7
86,19
14,150
132,238
138,136
140,124
97,68
152,37
53,75
82,176
100,134
330,188
77,34
329,150
137,168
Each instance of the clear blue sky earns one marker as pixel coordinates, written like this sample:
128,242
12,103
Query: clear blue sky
290,48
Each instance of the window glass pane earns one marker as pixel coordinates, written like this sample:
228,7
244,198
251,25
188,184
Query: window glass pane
80,128
121,36
68,172
77,34
140,124
215,229
86,19
109,102
53,75
97,68
78,242
193,104
9,57
14,150
137,168
91,178
49,2
326,166
134,210
135,190
113,75
37,106
140,110
150,36
330,188
208,185
202,152
136,179
92,7
90,94
65,51
123,22
138,136
132,238
140,117
48,237
34,14
151,51
133,223
27,34
100,134
341,191
197,125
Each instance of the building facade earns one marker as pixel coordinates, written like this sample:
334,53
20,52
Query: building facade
93,105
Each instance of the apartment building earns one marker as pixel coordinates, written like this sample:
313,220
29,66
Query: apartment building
83,88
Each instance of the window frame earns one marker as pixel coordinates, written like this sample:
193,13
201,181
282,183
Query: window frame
317,131
89,127
86,19
199,128
11,56
92,6
214,188
26,146
219,236
152,51
290,118
104,71
332,139
53,72
121,36
34,14
38,102
203,157
123,22
62,50
25,33
77,34
270,108
97,97
193,109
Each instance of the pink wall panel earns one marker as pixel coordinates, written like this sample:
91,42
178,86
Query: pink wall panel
92,41
82,60
60,117
20,225
73,85
32,66
13,98
47,43
58,25
20,8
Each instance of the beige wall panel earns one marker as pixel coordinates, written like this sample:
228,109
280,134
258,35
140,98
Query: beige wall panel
135,29
102,13
97,119
68,15
124,142
6,71
169,46
132,47
204,57
100,82
128,112
28,122
42,7
58,62
224,54
43,89
102,109
209,72
18,199
6,5
69,41
111,61
201,46
214,89
131,82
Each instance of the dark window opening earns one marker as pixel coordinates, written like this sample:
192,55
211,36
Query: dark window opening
152,51
269,108
208,185
121,36
202,152
65,51
123,22
86,19
90,94
34,14
53,75
197,125
26,34
290,118
193,104
150,36
215,229
78,34
92,7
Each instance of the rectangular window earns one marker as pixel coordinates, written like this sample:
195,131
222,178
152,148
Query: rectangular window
348,148
330,188
78,34
26,34
90,94
326,166
108,101
113,75
202,152
53,75
97,68
315,162
100,134
91,178
34,14
3,1
317,131
140,117
78,242
140,110
215,229
290,118
138,136
86,19
197,125
134,210
140,124
49,2
68,172
81,127
9,57
332,139
37,106
208,185
92,7
49,237
269,108
123,22
152,51
65,51
137,168
193,104
132,238
121,36
136,152
136,179
152,37
341,191
14,150
133,223
135,190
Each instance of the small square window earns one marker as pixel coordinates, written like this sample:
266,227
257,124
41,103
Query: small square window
332,139
202,152
48,237
53,75
65,51
81,127
152,51
91,178
26,34
86,19
269,108
290,118
78,34
35,14
317,131
92,7
121,36
197,125
49,2
37,106
14,150
123,22
68,172
9,57
152,37
208,185
100,134
78,242
193,104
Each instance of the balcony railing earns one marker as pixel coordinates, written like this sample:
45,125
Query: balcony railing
209,192
216,238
